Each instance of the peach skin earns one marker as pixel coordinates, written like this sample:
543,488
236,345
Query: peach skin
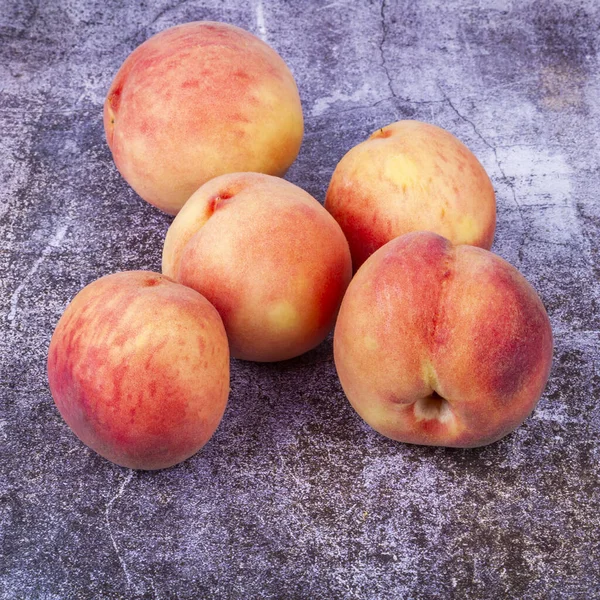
441,345
196,101
411,176
139,369
271,259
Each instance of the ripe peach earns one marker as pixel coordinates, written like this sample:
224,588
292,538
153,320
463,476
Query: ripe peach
196,101
441,345
139,369
268,256
411,176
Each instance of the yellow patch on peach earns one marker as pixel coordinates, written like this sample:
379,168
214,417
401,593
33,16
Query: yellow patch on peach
428,374
400,168
283,317
370,343
466,229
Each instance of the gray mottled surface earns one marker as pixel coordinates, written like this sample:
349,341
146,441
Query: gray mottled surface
295,497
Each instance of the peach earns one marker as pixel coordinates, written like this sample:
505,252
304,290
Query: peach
411,176
439,344
268,256
139,369
196,101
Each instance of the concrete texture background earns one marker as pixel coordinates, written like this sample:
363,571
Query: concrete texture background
295,497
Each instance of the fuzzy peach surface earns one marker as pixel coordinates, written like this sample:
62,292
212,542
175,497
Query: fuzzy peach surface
139,369
411,176
268,256
441,345
196,101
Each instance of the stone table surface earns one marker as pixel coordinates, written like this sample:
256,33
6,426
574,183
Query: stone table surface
295,497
